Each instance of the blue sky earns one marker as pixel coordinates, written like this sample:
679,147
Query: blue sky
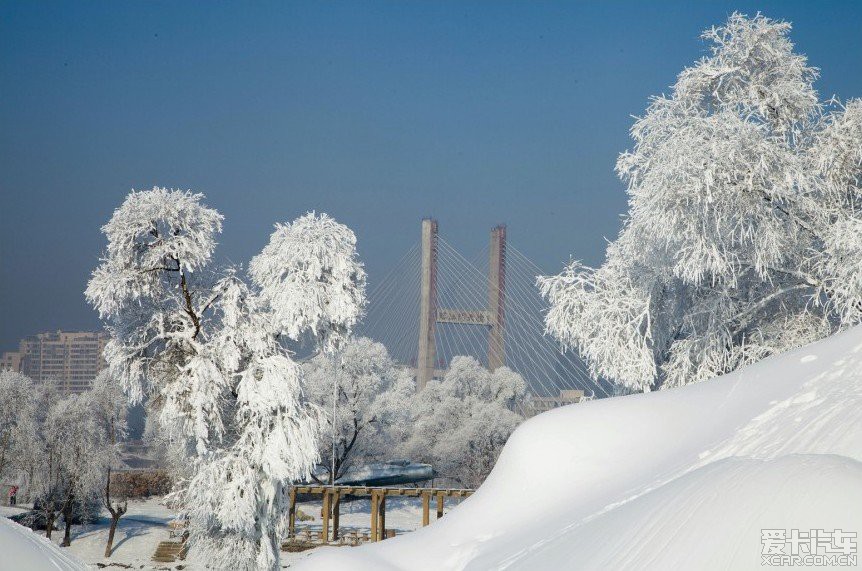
378,113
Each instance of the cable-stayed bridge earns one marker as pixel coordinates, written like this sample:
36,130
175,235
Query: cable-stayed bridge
437,303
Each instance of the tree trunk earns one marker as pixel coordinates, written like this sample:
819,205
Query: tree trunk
67,537
3,452
49,524
67,516
115,519
116,510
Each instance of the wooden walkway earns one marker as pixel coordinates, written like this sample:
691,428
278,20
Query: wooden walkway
332,496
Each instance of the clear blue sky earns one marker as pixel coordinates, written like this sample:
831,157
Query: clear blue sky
378,113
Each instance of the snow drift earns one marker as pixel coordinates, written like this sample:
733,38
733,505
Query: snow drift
20,548
677,479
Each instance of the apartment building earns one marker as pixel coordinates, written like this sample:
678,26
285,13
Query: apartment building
71,359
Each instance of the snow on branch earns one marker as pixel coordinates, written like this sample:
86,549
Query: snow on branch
743,224
202,348
311,277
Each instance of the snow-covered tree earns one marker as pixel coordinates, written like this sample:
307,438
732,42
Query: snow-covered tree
460,423
44,463
153,289
312,283
72,460
202,347
237,499
110,408
17,424
373,396
744,234
312,280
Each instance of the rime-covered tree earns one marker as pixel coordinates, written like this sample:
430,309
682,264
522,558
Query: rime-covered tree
45,463
461,423
71,474
373,396
311,279
744,233
236,499
155,292
17,424
110,408
201,345
312,282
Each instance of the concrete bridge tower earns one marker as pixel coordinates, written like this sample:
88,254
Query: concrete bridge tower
492,317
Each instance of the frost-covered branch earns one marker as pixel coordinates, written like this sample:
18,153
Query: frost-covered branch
744,233
201,347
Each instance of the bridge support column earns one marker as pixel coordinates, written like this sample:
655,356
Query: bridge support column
496,298
427,354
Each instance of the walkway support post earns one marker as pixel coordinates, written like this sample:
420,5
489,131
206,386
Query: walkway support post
381,521
426,508
336,513
291,514
373,515
324,537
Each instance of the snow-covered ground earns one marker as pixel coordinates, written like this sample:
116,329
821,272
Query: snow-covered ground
138,534
678,479
20,548
145,525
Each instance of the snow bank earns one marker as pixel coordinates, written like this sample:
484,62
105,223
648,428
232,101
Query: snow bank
20,548
684,478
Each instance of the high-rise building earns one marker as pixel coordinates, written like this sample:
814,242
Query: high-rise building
71,359
10,361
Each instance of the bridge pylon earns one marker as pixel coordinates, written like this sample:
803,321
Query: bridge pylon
492,317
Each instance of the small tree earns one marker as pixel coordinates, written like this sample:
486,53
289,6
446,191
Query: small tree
744,229
76,444
17,423
45,464
373,395
462,422
110,408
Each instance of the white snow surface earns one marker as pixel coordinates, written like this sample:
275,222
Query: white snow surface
677,479
23,549
138,534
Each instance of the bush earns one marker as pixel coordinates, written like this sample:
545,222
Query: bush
83,512
141,484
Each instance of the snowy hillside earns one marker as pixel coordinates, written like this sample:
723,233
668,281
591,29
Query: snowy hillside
23,549
677,479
